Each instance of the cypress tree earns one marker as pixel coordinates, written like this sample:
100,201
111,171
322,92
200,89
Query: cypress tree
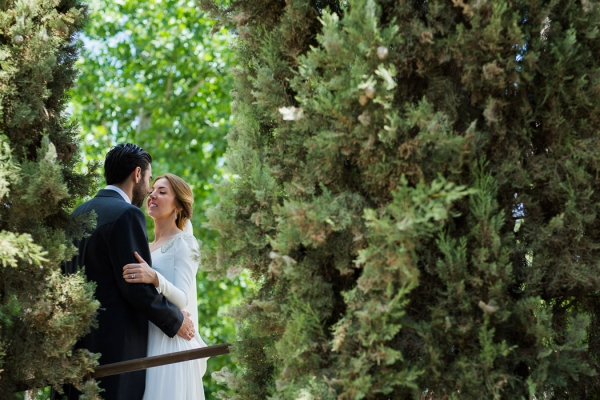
414,188
42,312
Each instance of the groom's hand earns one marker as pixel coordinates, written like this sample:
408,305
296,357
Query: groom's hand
186,330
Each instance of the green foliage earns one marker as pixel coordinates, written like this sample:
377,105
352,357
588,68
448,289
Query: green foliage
16,246
42,312
415,194
156,73
8,170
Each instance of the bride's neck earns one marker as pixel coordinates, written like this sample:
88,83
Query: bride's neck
164,228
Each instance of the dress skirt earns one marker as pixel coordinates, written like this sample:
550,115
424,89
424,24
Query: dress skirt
179,381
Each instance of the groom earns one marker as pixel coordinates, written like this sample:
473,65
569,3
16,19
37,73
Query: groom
122,331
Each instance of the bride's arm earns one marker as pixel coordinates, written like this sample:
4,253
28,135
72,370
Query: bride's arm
184,275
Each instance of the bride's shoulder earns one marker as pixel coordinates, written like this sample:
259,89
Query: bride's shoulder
187,239
178,240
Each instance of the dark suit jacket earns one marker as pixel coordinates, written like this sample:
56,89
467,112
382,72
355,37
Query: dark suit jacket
125,308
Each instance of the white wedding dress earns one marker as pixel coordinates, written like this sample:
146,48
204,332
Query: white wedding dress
176,269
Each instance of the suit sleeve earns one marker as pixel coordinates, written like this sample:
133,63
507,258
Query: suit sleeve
128,234
184,275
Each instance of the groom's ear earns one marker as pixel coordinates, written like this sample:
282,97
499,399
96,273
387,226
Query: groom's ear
137,174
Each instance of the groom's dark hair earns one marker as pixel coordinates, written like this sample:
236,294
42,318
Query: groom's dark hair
122,159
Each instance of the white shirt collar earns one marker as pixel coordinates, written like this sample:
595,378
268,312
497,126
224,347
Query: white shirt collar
118,190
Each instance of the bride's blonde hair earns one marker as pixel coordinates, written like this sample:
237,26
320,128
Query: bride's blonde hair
184,198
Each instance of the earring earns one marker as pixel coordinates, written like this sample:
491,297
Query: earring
175,211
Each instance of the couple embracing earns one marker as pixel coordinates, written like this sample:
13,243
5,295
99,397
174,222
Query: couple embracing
144,310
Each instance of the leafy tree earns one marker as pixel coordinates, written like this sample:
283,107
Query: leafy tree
156,73
152,73
42,312
416,195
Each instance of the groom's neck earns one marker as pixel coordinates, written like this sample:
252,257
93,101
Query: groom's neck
126,187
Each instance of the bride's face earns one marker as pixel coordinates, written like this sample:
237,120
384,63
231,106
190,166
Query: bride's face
161,201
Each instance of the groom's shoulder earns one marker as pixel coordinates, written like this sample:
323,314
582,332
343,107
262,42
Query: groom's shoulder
109,208
130,211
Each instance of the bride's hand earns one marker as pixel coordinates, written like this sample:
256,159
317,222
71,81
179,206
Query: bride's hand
140,272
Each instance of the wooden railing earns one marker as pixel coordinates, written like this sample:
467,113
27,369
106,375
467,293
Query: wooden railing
155,361
149,362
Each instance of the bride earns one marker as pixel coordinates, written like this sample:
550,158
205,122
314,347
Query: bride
173,273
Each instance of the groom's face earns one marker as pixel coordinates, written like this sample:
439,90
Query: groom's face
142,188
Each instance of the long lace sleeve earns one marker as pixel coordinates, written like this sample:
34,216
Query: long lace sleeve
184,274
